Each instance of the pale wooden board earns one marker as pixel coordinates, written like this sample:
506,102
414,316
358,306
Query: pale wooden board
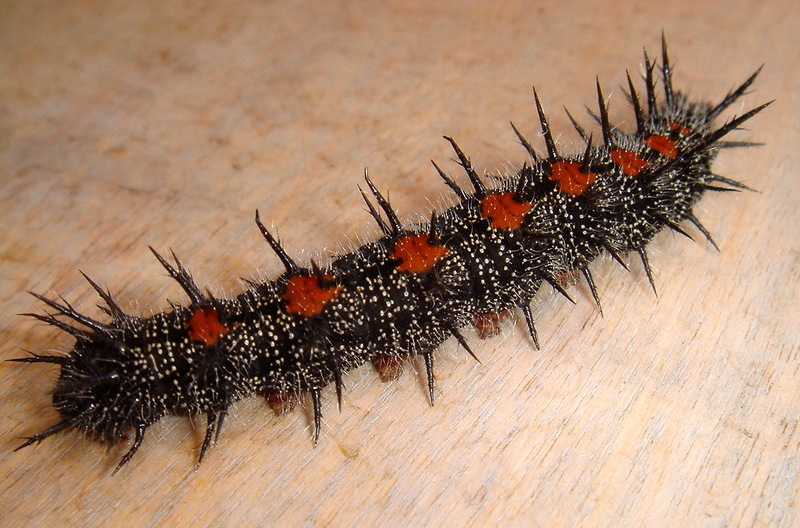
125,124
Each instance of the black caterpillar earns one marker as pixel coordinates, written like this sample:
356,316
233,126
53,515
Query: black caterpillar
404,294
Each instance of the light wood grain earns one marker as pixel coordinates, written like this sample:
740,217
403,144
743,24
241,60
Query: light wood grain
124,124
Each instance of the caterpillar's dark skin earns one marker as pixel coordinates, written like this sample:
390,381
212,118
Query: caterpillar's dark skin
404,294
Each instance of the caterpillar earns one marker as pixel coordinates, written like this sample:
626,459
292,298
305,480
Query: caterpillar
407,292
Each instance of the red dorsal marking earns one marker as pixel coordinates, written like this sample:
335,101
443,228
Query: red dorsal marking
570,178
416,253
503,211
205,326
630,162
679,128
305,295
663,145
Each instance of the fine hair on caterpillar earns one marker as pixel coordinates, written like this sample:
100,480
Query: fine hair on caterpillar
407,292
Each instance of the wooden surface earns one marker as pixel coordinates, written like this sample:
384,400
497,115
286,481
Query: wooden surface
124,124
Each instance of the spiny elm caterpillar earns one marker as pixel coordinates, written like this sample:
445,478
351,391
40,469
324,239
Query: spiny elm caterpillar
406,293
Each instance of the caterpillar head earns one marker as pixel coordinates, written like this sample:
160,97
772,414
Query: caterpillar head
105,386
103,390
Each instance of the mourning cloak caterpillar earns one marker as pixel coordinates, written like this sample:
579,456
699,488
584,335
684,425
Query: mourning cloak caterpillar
405,293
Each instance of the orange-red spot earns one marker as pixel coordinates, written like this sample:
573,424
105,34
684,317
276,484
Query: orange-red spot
416,253
679,128
663,145
503,211
630,162
570,178
389,367
205,326
307,297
